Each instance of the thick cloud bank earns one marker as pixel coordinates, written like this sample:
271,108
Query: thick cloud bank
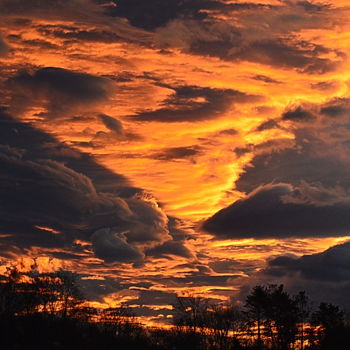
281,210
325,276
46,203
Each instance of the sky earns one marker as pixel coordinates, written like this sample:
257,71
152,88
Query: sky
190,147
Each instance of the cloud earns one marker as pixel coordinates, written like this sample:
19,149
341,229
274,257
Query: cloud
296,189
112,246
281,210
176,153
312,7
170,248
117,31
298,114
207,38
332,265
269,43
60,90
156,13
288,54
337,107
269,124
318,153
153,14
4,48
225,265
325,276
37,192
154,297
80,35
193,103
113,124
39,145
266,79
50,9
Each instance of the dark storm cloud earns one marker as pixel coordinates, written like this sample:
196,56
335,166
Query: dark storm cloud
281,210
298,114
61,89
37,191
193,103
176,153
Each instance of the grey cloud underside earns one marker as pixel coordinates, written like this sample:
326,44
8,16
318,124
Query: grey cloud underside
184,105
47,184
280,211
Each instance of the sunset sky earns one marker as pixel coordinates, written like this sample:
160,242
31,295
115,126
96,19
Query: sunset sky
157,147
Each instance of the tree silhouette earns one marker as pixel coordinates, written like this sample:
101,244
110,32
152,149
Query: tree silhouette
302,303
256,305
274,314
47,310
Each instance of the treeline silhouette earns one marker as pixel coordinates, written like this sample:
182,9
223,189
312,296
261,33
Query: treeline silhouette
48,311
